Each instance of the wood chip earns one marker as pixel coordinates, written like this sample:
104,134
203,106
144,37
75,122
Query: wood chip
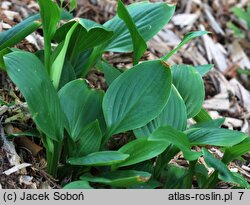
232,123
219,102
242,94
10,14
239,57
9,148
215,25
214,52
16,168
3,109
5,5
245,168
185,19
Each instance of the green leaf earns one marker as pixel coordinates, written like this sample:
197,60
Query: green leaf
2,54
202,116
80,184
149,19
28,73
204,69
141,150
174,114
217,123
73,4
245,15
236,151
17,33
224,172
57,65
243,71
120,178
179,139
201,174
110,73
88,34
81,104
236,30
50,15
128,105
103,158
188,37
68,74
215,136
190,85
139,45
89,141
81,61
177,178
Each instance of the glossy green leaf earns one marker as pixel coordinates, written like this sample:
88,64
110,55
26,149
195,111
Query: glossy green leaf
110,73
80,184
57,65
88,141
120,178
17,33
202,116
28,73
224,172
174,114
201,174
217,123
81,104
2,54
149,19
236,151
139,45
50,15
177,178
204,69
190,85
188,37
103,158
88,34
215,136
68,74
141,150
128,105
81,61
178,138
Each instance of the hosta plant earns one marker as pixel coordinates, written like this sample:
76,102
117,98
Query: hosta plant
149,103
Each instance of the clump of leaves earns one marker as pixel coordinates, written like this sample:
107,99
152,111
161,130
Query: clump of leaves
151,99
